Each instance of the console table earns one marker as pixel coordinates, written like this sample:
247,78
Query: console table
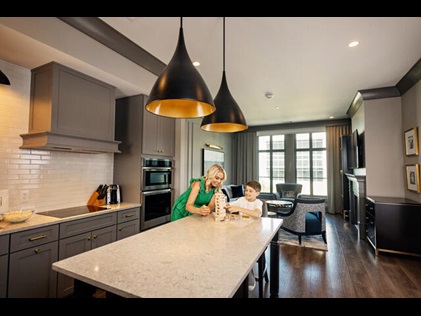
278,207
393,224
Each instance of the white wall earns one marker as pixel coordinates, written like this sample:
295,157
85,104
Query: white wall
52,179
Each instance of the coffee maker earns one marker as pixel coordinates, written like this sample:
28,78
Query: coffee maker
114,194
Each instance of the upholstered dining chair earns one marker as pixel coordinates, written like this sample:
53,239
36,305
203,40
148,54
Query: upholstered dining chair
306,217
288,191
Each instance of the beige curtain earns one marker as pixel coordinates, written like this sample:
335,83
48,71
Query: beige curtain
334,176
244,163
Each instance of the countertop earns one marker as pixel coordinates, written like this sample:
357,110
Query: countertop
37,220
192,257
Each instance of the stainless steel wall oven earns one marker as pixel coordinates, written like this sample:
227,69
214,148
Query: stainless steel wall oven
156,196
156,208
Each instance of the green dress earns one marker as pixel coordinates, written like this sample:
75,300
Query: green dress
203,198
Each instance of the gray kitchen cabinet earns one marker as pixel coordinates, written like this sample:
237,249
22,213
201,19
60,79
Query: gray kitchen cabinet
128,223
81,235
32,252
158,134
134,130
142,132
70,111
4,263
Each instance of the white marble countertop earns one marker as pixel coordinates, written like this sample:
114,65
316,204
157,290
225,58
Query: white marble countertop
37,220
194,257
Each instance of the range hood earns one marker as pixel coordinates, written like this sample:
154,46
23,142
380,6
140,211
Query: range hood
69,143
70,111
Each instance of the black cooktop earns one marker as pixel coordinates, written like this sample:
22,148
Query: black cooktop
73,211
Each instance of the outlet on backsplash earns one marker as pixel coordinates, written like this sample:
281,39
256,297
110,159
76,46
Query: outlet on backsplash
24,195
4,201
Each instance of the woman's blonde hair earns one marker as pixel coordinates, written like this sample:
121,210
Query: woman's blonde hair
212,172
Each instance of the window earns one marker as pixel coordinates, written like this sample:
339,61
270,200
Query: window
311,163
308,166
271,161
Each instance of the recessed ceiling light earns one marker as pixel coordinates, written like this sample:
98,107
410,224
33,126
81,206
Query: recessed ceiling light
196,63
269,95
331,117
353,44
277,107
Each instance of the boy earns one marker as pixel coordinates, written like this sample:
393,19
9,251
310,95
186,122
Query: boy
249,204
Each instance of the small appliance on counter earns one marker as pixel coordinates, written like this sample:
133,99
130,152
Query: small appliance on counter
114,194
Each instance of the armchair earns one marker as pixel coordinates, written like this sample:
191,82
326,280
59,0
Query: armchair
306,217
288,191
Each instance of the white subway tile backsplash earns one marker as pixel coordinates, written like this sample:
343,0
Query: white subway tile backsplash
54,179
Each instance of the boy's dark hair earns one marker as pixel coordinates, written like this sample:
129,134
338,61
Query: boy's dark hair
255,185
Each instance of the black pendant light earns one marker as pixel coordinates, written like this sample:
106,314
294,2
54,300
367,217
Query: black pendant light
228,117
4,79
180,91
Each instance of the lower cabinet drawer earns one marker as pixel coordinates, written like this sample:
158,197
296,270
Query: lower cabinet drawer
129,215
127,229
80,226
33,237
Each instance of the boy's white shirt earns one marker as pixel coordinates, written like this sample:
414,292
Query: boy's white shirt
242,202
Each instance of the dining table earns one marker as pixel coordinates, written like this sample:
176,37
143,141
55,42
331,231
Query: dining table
193,257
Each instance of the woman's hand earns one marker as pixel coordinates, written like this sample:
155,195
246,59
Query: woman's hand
204,210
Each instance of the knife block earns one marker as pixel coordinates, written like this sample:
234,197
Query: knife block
93,200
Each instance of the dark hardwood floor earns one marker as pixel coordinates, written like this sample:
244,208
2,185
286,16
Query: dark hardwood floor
349,269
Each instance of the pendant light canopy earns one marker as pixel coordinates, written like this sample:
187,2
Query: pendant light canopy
4,79
228,117
180,91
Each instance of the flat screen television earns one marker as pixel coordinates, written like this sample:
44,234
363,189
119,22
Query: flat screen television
354,161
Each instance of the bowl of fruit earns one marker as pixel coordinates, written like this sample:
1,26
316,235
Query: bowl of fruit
19,216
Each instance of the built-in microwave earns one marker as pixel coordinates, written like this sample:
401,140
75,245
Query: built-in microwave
156,174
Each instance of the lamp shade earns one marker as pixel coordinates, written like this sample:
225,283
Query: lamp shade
4,79
180,91
228,116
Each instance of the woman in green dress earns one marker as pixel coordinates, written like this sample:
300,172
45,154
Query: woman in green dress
199,198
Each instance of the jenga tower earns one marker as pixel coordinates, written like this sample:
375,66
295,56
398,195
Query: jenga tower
220,201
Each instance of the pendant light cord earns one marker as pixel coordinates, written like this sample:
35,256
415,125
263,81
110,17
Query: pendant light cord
223,45
181,22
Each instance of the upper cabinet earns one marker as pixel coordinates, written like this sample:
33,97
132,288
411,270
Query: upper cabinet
70,111
158,134
141,132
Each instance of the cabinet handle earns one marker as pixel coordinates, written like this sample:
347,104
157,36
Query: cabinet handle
37,250
89,238
95,236
129,215
120,229
38,237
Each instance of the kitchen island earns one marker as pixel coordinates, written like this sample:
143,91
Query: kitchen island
194,257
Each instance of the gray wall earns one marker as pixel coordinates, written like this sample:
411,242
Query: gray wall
385,173
411,117
384,122
190,140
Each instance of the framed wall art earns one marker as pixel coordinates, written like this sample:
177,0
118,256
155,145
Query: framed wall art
211,157
413,177
411,141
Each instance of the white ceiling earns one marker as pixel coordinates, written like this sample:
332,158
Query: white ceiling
303,61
